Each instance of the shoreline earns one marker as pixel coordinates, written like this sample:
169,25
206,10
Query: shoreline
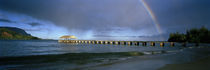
202,64
176,61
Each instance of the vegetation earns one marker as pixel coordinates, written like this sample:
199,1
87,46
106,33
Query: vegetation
14,34
194,35
177,37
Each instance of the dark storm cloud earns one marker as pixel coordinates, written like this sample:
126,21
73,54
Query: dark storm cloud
180,15
124,36
114,36
84,14
34,24
105,17
33,29
6,20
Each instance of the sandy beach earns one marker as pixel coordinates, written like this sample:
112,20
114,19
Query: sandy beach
189,59
202,64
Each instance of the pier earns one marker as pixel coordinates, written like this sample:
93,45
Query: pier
72,39
136,43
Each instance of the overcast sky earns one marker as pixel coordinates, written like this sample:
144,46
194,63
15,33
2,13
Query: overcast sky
104,19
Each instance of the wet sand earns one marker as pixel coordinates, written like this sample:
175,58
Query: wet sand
186,59
138,63
202,64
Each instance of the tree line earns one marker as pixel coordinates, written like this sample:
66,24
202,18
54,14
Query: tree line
195,35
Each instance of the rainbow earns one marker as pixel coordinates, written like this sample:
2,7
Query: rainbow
152,15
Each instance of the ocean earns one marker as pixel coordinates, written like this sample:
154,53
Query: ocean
49,54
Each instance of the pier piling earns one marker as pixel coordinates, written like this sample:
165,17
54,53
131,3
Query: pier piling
144,43
152,43
172,44
129,43
106,42
123,43
136,43
162,44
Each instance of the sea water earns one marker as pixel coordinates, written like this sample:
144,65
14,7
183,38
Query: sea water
49,54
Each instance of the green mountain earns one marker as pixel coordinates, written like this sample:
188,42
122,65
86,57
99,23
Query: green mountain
13,33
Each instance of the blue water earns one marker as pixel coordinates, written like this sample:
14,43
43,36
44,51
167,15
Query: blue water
51,55
45,47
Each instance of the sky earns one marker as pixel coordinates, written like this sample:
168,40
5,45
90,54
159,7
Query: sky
143,20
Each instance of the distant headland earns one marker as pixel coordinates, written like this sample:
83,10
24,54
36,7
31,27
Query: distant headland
13,33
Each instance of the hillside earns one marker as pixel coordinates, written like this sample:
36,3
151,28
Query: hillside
13,33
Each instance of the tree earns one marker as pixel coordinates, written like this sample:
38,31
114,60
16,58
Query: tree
194,35
177,37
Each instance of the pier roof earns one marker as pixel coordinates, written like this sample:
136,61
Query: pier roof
68,37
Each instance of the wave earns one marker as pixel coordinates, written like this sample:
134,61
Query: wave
69,57
78,58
